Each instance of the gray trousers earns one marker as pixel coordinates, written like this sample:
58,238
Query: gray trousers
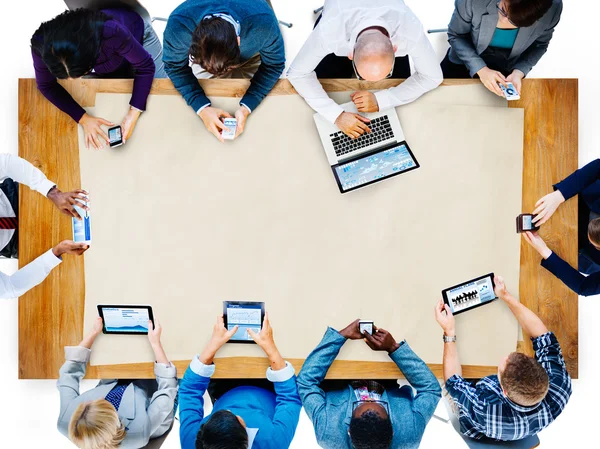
152,45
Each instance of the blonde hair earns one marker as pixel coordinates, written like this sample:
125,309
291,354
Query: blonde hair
96,425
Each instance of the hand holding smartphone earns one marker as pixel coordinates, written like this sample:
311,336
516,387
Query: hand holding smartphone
525,223
365,326
231,124
82,229
115,136
510,91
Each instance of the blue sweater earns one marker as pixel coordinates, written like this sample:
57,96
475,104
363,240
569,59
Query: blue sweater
586,181
275,415
259,34
331,412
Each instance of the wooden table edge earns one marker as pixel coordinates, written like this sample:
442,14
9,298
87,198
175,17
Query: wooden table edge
229,367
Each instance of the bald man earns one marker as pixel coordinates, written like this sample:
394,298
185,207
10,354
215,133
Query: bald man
369,41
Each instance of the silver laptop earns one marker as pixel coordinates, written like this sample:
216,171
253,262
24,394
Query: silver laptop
370,158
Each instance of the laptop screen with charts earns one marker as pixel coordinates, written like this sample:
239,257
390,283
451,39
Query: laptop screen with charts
375,166
471,294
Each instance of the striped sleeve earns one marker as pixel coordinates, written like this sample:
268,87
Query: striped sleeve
549,355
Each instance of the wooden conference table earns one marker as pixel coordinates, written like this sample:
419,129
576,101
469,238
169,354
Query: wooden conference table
51,315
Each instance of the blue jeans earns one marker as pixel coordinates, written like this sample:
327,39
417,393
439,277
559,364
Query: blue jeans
152,45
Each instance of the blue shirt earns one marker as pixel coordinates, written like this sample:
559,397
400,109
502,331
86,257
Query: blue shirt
259,33
331,411
484,411
275,415
504,38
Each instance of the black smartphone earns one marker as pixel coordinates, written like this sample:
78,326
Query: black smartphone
525,223
365,326
115,136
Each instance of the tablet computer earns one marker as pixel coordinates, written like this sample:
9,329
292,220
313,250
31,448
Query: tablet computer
244,314
125,319
471,294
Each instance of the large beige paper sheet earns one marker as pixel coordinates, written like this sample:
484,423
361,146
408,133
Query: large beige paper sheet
463,95
183,222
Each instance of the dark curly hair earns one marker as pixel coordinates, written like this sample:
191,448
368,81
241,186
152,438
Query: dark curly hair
215,46
70,43
223,430
371,431
524,13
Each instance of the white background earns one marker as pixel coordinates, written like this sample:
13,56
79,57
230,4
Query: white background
29,409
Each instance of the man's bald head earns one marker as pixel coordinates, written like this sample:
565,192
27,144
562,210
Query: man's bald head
373,55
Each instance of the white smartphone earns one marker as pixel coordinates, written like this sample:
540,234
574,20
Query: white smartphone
230,123
510,92
82,229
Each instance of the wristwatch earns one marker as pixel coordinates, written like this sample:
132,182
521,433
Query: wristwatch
449,339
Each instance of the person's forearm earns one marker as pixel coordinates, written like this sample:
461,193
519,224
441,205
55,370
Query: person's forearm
88,341
529,321
277,362
23,172
187,85
207,356
451,362
28,277
159,354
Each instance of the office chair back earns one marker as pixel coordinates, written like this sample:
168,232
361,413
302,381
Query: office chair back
156,443
526,443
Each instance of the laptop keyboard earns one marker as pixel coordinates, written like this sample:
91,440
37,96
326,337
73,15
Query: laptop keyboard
381,130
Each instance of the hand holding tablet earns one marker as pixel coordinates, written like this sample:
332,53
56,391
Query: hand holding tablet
445,320
471,294
244,316
122,319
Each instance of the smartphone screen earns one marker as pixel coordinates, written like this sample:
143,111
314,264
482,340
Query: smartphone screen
365,326
527,222
114,135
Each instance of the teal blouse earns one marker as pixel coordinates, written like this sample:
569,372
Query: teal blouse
504,38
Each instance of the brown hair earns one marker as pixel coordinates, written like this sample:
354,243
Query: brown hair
96,425
524,380
594,231
524,13
215,46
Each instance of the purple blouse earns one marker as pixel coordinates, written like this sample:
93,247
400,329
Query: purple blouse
121,48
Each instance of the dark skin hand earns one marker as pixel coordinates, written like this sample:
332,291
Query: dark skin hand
381,340
352,331
65,201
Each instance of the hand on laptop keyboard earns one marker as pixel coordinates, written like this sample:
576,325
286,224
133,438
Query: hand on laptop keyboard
381,130
353,125
365,101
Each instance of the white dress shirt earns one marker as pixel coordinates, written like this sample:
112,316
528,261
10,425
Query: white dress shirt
23,172
336,33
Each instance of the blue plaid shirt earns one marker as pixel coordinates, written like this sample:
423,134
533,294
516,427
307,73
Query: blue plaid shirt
484,411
